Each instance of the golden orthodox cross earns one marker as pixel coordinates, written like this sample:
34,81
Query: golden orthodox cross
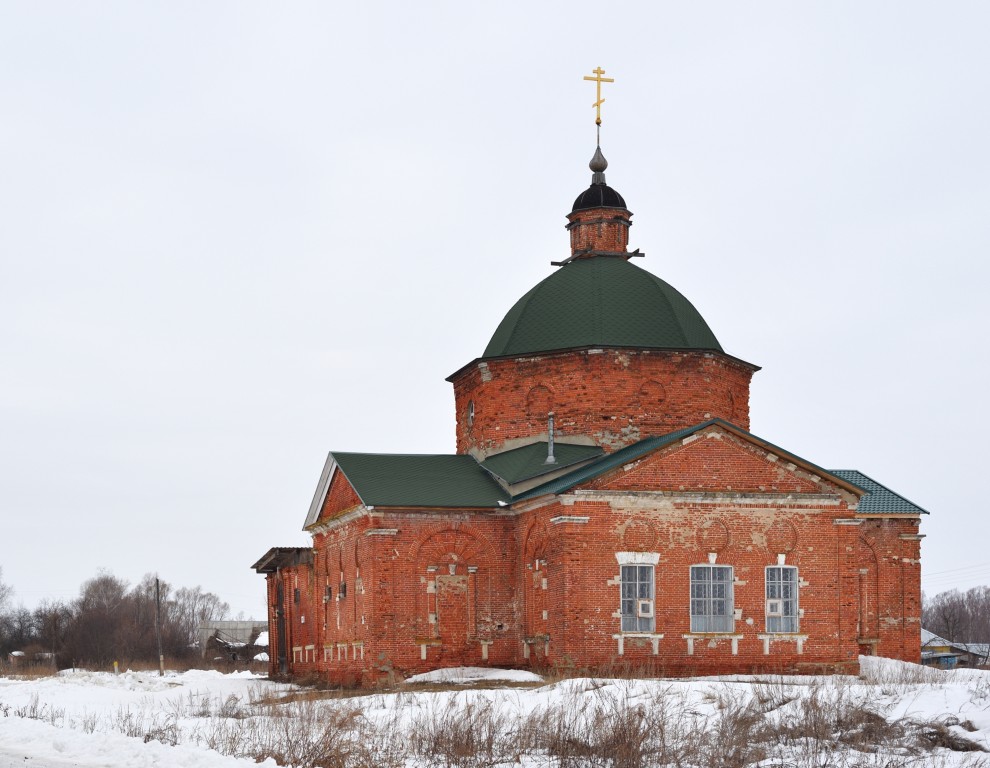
598,80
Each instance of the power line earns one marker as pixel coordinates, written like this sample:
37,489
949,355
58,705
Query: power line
964,568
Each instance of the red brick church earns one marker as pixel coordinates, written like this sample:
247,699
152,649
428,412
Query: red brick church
607,506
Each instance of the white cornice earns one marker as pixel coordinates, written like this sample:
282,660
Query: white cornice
712,497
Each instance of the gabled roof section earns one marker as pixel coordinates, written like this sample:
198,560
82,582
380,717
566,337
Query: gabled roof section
636,450
879,499
530,461
322,488
283,557
419,480
438,481
930,638
607,462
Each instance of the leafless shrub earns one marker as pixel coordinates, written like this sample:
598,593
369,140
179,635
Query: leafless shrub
310,735
773,693
198,705
979,689
128,722
463,733
831,726
602,724
35,710
89,722
231,708
165,731
939,733
228,737
736,736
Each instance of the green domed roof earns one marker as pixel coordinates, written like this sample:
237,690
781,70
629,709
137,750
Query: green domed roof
601,302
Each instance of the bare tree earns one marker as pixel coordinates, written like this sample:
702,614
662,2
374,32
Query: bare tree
194,607
6,593
111,622
20,628
95,634
961,617
52,619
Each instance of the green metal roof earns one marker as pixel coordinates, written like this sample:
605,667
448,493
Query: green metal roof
879,499
601,301
400,480
607,462
531,460
444,480
632,452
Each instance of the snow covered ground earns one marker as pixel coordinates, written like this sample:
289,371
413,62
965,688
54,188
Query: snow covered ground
83,718
890,716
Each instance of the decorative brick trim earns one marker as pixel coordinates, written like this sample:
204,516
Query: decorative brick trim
465,529
713,497
577,519
337,522
637,558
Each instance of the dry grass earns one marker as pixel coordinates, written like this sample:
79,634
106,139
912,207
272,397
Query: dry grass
27,670
582,723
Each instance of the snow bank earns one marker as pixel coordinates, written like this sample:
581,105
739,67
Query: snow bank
475,674
40,745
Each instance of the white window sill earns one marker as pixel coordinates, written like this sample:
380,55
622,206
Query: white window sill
712,636
713,639
782,636
786,637
653,637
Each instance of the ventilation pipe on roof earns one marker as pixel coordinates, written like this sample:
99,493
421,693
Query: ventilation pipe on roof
550,457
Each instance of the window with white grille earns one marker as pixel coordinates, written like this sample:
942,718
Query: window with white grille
637,606
711,598
782,598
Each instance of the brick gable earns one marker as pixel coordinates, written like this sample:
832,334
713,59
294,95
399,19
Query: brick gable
341,497
712,460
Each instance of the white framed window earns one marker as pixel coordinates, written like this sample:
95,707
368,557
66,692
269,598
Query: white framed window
782,598
711,598
637,605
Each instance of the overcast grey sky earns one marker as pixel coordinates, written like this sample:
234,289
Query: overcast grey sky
234,236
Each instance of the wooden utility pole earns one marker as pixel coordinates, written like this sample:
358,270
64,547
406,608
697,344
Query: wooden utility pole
158,628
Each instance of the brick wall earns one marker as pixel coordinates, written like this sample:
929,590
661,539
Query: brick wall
599,229
615,397
540,585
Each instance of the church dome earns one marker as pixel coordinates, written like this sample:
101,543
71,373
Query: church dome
603,301
598,196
